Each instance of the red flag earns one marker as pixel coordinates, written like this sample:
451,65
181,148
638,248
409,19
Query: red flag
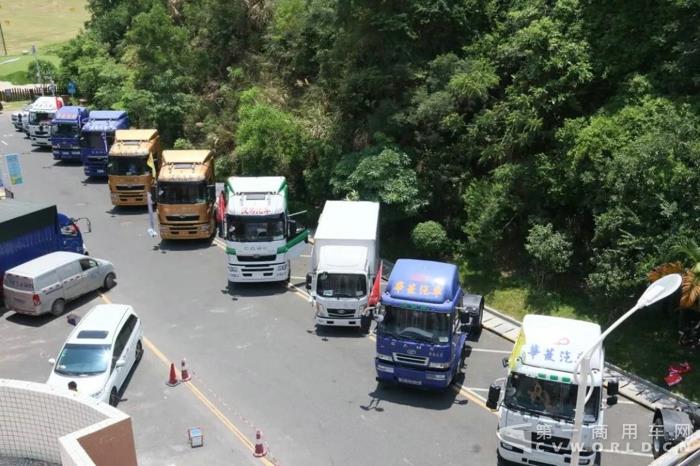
221,208
376,288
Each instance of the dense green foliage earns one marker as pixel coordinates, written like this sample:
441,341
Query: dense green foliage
43,68
560,134
430,239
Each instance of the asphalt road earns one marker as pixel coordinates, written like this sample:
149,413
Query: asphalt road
256,358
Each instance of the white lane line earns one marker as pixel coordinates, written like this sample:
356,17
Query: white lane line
305,256
475,389
5,143
297,278
484,350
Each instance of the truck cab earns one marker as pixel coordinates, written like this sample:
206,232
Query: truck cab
132,166
97,137
344,263
65,132
41,113
537,398
261,236
187,195
422,325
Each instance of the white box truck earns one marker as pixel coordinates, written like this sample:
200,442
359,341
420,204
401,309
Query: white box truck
344,263
536,408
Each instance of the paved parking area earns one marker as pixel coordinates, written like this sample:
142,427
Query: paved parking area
257,360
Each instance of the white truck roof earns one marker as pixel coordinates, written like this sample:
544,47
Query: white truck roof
555,343
46,104
261,195
355,220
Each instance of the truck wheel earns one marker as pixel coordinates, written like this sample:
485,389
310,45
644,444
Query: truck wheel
109,282
500,461
58,307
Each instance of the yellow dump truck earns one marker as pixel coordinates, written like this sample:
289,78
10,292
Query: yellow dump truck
133,166
187,195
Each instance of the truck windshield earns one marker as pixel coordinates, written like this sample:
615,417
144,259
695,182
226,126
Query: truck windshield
255,227
40,117
547,398
410,324
83,359
341,285
65,129
182,192
97,140
130,166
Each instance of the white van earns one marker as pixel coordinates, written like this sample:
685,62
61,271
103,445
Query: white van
47,283
99,353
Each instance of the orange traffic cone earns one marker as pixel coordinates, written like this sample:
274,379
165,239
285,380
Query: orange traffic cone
172,381
185,373
260,449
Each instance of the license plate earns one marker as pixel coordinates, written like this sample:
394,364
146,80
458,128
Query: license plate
410,381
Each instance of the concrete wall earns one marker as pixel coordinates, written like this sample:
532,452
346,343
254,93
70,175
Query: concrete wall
59,426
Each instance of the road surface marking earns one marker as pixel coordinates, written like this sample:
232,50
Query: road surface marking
305,256
297,278
625,452
4,143
201,397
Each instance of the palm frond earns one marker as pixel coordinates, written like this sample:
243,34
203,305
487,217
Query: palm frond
665,269
689,248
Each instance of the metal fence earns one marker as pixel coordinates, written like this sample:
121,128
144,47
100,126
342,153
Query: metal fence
15,94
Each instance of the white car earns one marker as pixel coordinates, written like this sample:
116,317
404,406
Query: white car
99,353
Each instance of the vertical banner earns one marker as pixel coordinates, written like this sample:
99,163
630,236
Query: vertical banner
14,169
151,230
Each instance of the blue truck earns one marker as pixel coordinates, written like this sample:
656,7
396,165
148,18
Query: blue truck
97,137
29,230
65,132
424,319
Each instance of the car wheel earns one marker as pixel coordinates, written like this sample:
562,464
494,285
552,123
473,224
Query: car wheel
114,397
58,307
139,351
109,282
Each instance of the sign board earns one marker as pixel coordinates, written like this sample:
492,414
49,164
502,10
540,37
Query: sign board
14,169
72,89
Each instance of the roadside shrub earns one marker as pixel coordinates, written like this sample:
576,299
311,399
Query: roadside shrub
430,239
549,250
47,69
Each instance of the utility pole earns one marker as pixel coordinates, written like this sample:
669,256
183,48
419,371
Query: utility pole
2,34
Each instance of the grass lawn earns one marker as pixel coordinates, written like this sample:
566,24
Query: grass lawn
644,345
40,22
14,68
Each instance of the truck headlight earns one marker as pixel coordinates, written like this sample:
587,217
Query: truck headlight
204,227
282,267
430,376
383,368
439,365
385,357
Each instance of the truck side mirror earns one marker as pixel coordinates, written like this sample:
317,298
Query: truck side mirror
308,281
504,361
292,228
211,193
494,396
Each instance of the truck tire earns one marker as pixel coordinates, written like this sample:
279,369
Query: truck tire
58,307
109,282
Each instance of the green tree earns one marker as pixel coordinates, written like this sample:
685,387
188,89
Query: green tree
549,250
47,71
430,239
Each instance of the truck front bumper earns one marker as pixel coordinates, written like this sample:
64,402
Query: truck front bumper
252,272
388,372
337,322
529,453
186,231
129,198
42,141
66,154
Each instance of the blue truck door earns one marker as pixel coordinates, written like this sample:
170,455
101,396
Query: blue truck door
69,235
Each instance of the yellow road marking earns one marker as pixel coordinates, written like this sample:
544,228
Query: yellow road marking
201,397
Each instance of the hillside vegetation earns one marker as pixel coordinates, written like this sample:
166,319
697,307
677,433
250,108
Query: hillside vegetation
551,143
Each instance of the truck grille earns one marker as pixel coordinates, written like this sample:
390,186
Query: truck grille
133,187
410,359
341,313
551,444
256,258
182,218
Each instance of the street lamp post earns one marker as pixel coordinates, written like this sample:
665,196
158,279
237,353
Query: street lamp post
660,289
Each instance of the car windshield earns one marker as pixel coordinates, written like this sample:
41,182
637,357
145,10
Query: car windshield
547,397
411,324
83,359
97,140
130,166
65,129
40,117
255,227
341,285
182,192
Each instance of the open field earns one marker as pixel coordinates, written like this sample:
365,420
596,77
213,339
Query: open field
40,22
14,68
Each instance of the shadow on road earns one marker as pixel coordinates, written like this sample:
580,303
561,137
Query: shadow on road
254,290
440,400
41,320
326,332
94,180
185,245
